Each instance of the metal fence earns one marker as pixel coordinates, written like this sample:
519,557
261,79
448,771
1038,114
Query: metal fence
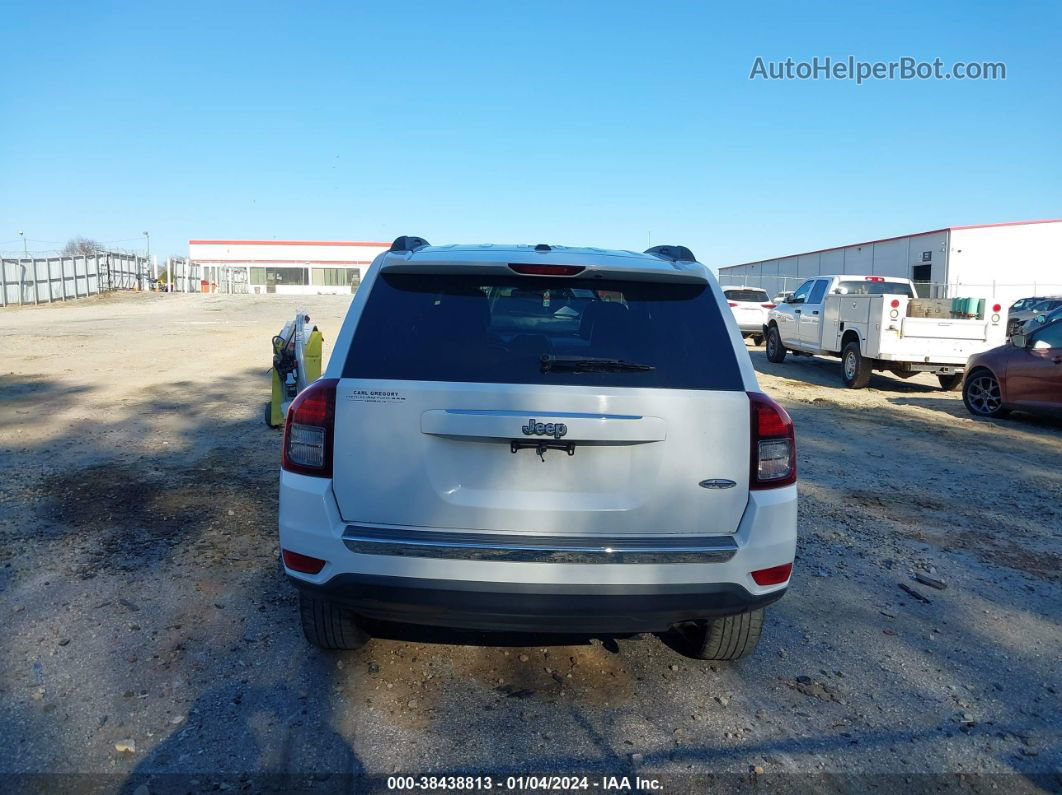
45,280
49,279
1004,291
184,276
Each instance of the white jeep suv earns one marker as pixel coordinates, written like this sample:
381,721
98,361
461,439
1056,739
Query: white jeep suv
539,438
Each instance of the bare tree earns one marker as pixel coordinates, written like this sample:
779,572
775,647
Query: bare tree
80,246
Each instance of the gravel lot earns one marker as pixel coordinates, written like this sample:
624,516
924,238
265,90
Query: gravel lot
144,609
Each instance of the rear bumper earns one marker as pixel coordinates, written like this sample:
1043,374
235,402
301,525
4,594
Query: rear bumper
751,322
521,607
549,582
908,360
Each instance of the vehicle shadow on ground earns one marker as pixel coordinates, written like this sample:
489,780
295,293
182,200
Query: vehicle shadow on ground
445,636
1017,421
28,398
824,371
278,733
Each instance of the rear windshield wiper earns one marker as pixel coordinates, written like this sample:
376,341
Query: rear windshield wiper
583,364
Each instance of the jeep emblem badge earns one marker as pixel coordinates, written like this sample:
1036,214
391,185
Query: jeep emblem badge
554,429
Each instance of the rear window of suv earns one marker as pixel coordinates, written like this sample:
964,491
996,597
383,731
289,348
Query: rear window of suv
756,296
498,329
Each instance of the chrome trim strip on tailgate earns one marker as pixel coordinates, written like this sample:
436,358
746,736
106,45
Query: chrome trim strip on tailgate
512,547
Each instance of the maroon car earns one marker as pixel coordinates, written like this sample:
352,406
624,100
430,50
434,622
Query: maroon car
1025,374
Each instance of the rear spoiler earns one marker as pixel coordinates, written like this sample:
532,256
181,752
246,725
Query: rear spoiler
406,255
688,273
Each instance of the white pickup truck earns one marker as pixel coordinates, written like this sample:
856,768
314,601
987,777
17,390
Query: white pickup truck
877,323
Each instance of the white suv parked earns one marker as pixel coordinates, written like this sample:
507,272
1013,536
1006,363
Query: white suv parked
539,438
751,307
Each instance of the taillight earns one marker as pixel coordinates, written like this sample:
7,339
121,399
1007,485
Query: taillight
731,303
773,444
894,303
996,307
306,564
548,270
309,430
767,306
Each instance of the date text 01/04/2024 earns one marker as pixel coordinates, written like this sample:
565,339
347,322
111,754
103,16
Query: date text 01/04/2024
524,783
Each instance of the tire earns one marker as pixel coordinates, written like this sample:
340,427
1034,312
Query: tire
757,340
983,396
327,625
775,349
724,638
269,414
949,383
855,367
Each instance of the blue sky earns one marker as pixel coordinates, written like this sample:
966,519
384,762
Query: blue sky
575,123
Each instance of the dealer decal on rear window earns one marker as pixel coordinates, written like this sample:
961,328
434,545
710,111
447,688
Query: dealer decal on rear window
375,396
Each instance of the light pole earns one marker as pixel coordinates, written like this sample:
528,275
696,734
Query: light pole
25,246
147,256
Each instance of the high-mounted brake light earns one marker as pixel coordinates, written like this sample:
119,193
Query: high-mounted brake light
874,278
772,453
309,430
306,564
547,270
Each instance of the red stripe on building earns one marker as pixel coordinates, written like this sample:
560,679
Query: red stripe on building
1010,223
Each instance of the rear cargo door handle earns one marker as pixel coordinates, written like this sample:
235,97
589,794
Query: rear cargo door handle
1057,360
796,311
509,426
815,312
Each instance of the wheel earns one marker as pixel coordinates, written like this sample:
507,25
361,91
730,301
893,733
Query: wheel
328,625
855,367
724,638
757,340
268,413
983,396
949,383
775,348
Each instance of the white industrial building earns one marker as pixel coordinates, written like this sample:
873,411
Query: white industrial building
285,267
992,261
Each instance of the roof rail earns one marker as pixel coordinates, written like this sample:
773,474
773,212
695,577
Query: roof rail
408,243
672,253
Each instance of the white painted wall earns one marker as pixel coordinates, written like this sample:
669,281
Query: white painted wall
1006,263
272,252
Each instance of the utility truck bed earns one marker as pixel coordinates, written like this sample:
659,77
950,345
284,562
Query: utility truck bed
874,323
